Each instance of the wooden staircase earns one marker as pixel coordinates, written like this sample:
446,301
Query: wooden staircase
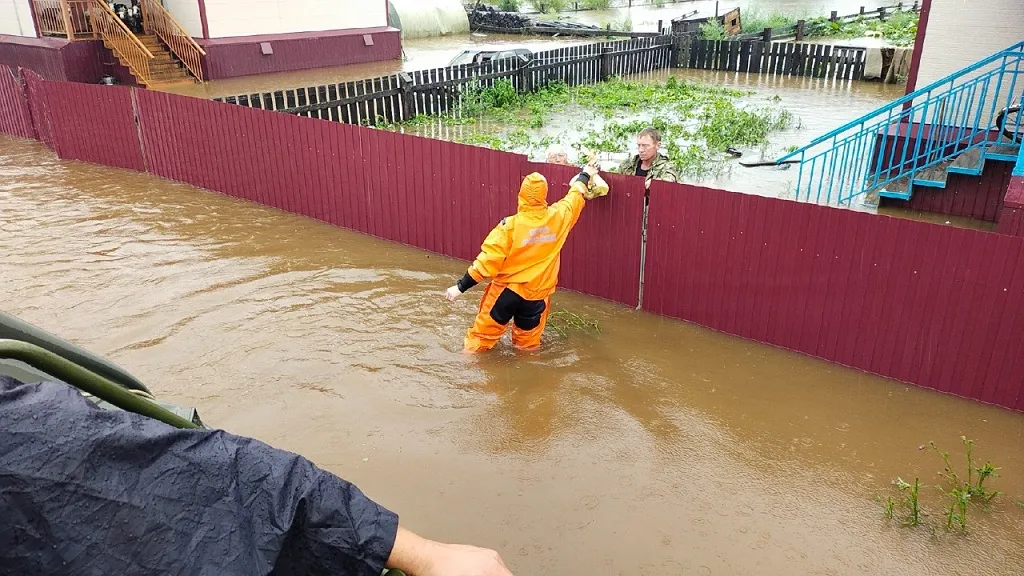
164,56
164,68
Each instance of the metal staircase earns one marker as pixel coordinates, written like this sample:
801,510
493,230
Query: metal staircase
953,125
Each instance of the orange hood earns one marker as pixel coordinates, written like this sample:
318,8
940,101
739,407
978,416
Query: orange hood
533,194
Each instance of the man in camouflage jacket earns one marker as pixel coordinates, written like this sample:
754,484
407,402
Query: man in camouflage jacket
649,162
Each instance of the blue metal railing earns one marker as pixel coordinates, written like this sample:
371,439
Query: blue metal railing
886,148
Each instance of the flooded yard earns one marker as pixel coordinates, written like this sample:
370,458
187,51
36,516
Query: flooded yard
811,107
654,447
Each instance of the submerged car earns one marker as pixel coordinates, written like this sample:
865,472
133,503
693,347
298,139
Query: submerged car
481,56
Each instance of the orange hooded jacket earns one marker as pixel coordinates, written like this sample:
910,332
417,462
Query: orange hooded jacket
522,252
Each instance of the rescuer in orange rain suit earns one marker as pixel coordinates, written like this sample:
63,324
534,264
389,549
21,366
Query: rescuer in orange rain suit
521,257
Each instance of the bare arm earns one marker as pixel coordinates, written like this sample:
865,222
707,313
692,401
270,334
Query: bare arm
417,556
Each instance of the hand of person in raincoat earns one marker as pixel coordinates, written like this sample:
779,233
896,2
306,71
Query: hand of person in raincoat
452,293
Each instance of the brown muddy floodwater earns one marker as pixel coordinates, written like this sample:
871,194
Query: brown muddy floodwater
656,447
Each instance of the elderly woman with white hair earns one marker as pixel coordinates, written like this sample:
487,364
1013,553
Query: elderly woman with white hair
556,155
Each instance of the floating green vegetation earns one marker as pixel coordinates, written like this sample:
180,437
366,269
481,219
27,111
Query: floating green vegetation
698,122
563,322
960,491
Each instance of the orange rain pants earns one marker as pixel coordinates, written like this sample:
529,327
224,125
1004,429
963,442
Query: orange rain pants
492,320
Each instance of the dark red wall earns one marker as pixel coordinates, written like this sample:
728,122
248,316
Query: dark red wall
88,60
241,56
41,55
937,306
85,61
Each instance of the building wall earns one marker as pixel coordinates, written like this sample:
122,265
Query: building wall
960,33
265,17
84,61
186,12
953,34
16,18
243,56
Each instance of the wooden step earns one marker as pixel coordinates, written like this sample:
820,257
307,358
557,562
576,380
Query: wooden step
1005,152
899,189
166,74
168,83
870,198
154,65
149,40
164,68
158,54
933,176
971,162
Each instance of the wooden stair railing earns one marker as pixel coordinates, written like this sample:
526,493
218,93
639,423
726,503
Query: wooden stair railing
126,45
67,18
158,20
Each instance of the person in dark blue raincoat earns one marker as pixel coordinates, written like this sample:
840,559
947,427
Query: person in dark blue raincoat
87,491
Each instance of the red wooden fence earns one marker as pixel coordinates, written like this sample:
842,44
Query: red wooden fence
15,118
934,305
89,123
937,306
368,180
